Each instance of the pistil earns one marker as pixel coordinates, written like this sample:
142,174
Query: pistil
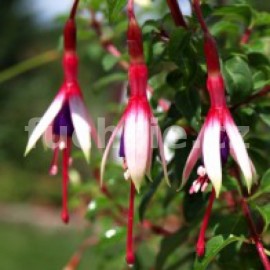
200,247
130,258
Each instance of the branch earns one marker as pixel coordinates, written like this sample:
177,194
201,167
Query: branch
261,93
254,234
247,214
28,64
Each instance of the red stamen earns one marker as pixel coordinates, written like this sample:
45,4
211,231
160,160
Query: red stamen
200,247
130,258
54,166
66,155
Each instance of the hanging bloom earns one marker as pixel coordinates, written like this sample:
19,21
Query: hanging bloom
218,123
66,114
138,121
138,125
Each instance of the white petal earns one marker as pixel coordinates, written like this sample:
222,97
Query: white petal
149,158
81,125
193,157
45,121
137,142
211,152
47,137
161,151
238,148
94,133
107,149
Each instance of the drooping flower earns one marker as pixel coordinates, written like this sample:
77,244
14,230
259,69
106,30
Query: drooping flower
138,125
66,114
138,122
218,123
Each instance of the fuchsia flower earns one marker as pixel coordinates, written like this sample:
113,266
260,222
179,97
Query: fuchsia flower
138,121
138,124
218,122
66,114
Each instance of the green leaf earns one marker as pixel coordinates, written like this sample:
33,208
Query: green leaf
97,205
188,102
148,196
213,247
109,61
265,182
265,118
150,193
115,7
238,78
109,79
224,26
265,213
169,244
238,12
262,19
179,40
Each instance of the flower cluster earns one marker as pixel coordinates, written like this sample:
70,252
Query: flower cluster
218,138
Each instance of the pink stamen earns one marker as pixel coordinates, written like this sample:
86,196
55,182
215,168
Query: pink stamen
54,166
130,258
200,247
66,155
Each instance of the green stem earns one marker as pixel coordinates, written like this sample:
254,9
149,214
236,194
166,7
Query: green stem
28,64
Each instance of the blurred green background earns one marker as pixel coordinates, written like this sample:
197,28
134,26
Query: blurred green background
31,233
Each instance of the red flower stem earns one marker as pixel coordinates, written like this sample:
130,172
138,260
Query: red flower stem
130,258
198,11
66,154
176,13
200,247
255,236
74,9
